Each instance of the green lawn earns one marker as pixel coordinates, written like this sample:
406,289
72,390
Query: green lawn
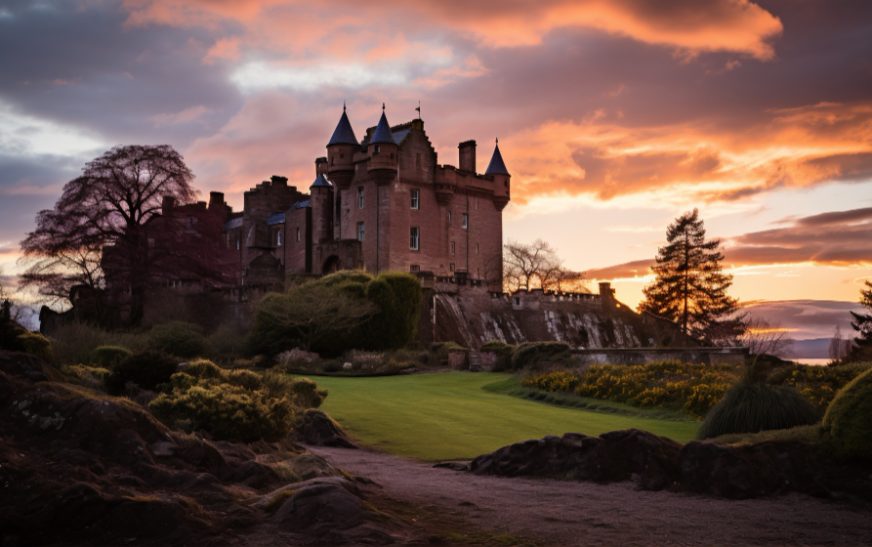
448,415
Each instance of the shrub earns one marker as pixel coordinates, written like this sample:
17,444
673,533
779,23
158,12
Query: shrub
306,393
694,388
9,335
36,344
226,342
749,407
177,338
339,312
147,370
818,384
93,377
849,418
537,354
75,343
109,356
236,405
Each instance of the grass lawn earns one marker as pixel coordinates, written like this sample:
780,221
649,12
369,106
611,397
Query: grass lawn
447,415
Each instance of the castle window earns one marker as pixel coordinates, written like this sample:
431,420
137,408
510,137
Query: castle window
238,242
453,248
464,221
299,236
451,266
414,268
449,217
477,248
377,149
361,197
415,238
415,198
361,231
279,238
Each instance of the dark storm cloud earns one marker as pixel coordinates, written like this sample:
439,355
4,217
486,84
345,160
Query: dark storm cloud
78,64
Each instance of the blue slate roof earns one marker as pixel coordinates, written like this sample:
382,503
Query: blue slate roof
233,223
302,204
382,134
321,182
275,218
343,134
400,135
496,166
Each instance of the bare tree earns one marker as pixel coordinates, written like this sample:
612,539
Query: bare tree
537,266
763,338
839,347
109,205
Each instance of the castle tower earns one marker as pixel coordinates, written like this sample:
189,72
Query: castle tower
383,153
340,152
321,192
496,169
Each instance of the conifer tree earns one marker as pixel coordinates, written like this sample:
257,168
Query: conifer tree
690,287
862,323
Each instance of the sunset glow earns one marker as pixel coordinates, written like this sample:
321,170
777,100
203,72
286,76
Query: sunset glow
614,117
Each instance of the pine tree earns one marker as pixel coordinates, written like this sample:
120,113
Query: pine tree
690,288
862,323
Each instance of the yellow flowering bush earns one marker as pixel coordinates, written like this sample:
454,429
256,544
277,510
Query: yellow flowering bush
669,384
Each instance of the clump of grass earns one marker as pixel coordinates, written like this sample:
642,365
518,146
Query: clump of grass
749,407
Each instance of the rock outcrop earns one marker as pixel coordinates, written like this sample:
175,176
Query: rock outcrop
80,467
317,429
656,463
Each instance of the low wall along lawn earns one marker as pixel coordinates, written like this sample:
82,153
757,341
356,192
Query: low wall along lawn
447,415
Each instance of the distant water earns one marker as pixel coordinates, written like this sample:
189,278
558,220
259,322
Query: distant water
812,362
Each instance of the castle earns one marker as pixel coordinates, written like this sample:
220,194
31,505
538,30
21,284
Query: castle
381,203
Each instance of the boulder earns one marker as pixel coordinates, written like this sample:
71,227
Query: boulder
317,429
617,456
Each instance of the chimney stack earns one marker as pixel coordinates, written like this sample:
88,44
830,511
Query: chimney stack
216,199
320,166
467,156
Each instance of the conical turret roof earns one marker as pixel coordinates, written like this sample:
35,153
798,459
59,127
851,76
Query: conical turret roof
496,166
321,182
382,133
343,134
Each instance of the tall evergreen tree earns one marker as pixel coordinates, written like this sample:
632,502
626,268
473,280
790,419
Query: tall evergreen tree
690,287
862,323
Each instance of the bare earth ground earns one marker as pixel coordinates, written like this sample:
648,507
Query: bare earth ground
579,513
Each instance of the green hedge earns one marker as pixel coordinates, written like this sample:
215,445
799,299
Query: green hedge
339,312
530,355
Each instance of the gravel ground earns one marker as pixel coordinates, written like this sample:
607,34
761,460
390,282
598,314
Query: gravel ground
577,513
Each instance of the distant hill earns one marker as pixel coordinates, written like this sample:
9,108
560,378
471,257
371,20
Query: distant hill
806,320
813,348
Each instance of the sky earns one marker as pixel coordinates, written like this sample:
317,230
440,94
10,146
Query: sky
614,117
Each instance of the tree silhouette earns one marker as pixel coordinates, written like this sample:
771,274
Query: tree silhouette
107,208
862,323
690,287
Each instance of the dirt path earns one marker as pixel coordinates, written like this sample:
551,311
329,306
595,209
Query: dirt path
577,513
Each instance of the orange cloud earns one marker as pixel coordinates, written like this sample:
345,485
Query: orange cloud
718,25
836,238
708,160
